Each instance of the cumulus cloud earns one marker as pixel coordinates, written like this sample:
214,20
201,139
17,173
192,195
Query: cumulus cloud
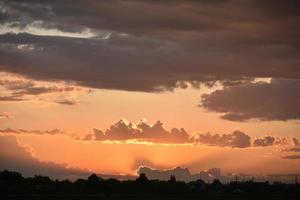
157,43
236,139
277,100
124,130
266,141
270,141
156,133
15,157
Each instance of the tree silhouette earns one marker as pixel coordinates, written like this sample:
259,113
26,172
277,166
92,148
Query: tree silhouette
172,179
142,178
12,183
93,179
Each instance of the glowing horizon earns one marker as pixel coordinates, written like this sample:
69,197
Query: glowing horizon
111,86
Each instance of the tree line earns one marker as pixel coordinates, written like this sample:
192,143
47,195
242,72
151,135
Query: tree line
13,183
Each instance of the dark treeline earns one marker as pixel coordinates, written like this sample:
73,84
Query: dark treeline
13,183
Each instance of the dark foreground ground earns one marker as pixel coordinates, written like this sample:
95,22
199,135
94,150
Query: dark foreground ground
15,187
146,197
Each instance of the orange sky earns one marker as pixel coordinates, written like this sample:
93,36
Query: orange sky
125,158
101,108
111,85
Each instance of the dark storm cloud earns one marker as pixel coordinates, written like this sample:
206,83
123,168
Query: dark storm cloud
125,16
144,16
236,139
152,45
18,158
277,100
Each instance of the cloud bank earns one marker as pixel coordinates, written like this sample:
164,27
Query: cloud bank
142,132
15,157
156,133
235,139
16,88
277,100
269,141
148,45
26,131
294,157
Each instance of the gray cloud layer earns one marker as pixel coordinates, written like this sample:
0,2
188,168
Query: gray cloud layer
18,158
151,45
277,100
18,89
293,149
296,157
296,148
40,132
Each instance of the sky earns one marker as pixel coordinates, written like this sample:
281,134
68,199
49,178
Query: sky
108,86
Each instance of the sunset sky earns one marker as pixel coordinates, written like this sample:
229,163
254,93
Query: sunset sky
108,86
